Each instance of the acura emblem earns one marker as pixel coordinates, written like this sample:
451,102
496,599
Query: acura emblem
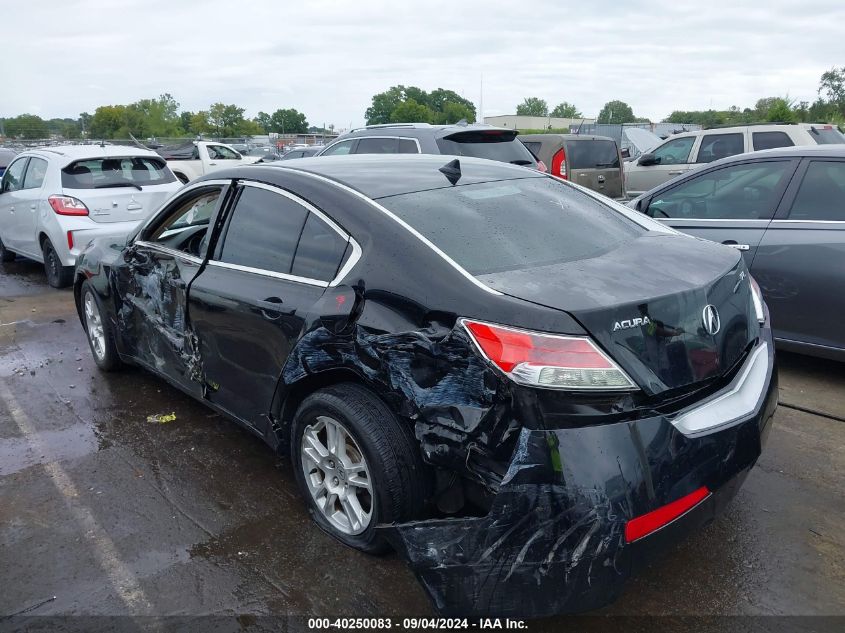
710,317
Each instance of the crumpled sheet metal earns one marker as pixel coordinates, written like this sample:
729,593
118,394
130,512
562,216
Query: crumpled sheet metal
460,409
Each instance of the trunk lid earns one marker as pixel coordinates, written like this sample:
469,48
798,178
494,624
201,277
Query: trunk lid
595,164
647,310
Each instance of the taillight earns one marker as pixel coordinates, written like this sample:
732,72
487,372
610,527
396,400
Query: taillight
541,166
757,299
559,164
647,523
547,360
67,205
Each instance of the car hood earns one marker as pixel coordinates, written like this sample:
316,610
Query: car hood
642,140
644,303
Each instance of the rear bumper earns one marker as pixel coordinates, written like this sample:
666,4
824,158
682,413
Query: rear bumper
554,540
83,230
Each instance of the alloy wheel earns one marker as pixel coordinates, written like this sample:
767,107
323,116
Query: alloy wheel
94,325
337,475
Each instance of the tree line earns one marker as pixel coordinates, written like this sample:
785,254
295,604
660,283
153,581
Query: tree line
161,117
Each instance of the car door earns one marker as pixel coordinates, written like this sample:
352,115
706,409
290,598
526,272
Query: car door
732,204
248,307
12,203
220,157
28,210
152,281
800,263
672,160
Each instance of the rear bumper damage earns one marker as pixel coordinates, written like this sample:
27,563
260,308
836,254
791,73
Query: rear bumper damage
554,540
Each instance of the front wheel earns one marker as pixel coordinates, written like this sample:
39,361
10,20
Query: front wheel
356,465
58,275
99,330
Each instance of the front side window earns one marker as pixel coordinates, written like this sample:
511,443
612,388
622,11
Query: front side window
108,173
674,152
515,224
263,231
740,192
13,178
35,173
821,195
186,222
716,146
371,145
221,152
344,147
770,140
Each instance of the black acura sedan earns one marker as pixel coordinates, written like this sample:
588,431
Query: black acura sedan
525,389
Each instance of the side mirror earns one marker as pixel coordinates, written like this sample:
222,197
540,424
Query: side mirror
648,159
625,152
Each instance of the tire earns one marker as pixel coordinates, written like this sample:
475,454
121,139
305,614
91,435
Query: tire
182,178
58,276
398,480
98,330
6,255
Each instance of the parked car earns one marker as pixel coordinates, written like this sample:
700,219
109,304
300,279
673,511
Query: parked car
302,152
480,141
197,158
493,370
784,210
591,161
686,151
265,153
53,201
6,156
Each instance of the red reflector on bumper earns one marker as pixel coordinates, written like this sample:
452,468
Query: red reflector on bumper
653,521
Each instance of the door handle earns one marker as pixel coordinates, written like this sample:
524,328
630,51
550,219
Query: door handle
271,307
32,208
11,209
739,247
213,164
675,173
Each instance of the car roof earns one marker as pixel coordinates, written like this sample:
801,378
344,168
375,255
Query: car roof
79,152
796,151
381,175
417,130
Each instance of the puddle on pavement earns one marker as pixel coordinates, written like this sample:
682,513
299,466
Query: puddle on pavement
72,442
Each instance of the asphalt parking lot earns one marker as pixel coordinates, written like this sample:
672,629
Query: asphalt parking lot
103,512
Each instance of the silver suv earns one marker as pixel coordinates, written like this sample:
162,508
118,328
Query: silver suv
682,152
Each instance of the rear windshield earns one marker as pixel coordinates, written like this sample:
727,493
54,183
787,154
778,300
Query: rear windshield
826,135
514,224
592,154
102,173
487,144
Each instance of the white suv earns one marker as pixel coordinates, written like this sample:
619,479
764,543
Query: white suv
682,152
53,201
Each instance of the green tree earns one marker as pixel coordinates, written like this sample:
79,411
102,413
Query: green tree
780,111
832,87
450,104
228,120
185,121
71,131
411,111
384,103
287,121
616,112
454,112
156,117
566,110
84,122
26,126
263,119
443,106
107,120
532,106
200,123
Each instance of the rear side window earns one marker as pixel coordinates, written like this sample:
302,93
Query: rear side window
592,154
770,140
103,173
319,251
35,173
408,146
370,145
492,144
514,224
826,135
533,146
821,195
263,231
716,146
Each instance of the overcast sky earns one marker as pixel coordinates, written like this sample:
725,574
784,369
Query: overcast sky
327,58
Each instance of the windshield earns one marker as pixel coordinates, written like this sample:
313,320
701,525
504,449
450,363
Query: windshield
584,154
826,135
101,173
509,225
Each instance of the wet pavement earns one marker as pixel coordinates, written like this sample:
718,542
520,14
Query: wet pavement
113,514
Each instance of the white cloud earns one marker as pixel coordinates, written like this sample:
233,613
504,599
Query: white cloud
327,58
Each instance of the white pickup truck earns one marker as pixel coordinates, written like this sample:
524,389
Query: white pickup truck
198,158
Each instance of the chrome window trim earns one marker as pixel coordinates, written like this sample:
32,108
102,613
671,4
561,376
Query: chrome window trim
762,222
408,228
808,221
363,136
310,208
170,251
269,273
